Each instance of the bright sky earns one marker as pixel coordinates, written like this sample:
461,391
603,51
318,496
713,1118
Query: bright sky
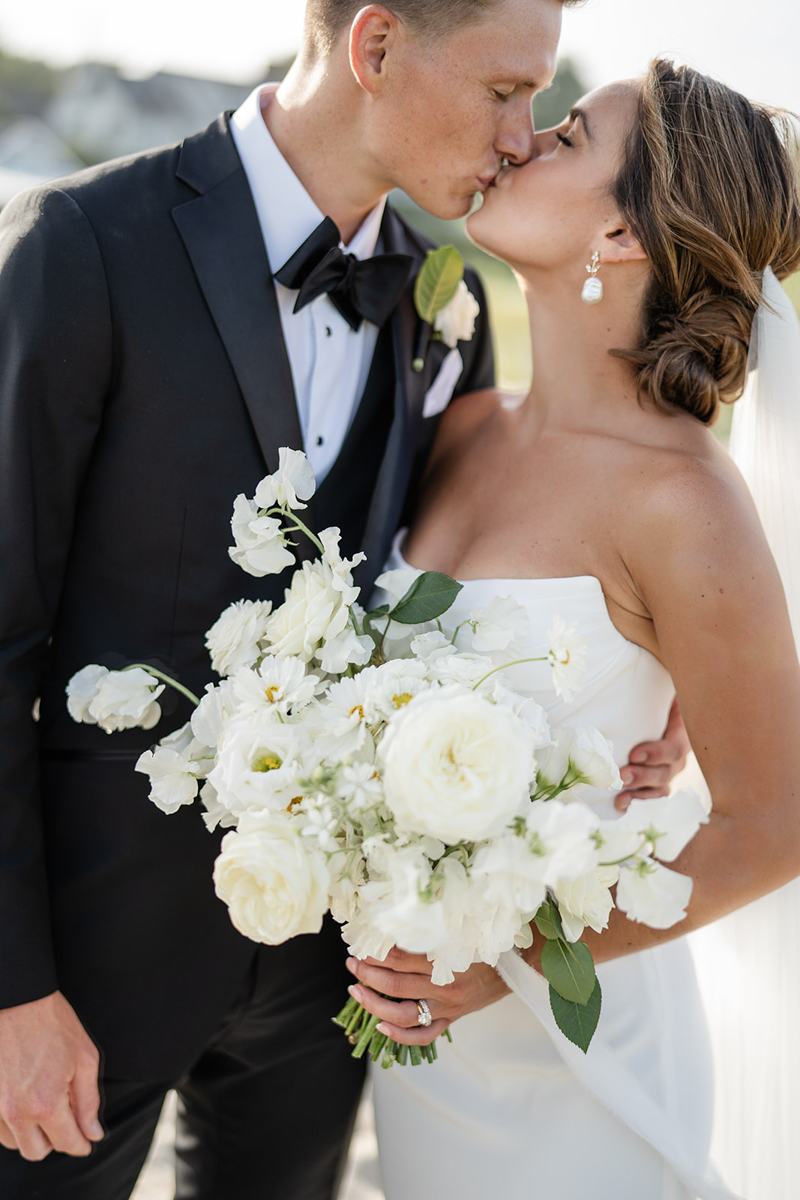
751,44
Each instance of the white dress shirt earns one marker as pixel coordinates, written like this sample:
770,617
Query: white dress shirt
330,361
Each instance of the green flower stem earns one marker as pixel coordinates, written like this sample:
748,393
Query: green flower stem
298,525
505,666
360,1027
165,679
618,862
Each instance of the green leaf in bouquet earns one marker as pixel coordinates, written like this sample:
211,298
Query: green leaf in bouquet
569,968
369,628
430,595
577,1021
548,921
437,282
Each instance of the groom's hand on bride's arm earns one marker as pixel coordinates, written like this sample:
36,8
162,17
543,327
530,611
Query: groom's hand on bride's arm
49,1095
406,978
653,765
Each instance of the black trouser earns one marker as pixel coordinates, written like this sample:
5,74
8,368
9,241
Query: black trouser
265,1113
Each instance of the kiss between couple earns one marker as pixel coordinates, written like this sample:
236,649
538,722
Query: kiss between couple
166,325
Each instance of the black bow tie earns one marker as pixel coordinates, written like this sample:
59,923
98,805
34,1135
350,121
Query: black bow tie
367,290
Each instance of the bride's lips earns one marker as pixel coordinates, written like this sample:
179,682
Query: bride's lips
486,181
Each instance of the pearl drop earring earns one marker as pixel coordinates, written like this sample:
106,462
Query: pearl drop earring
593,288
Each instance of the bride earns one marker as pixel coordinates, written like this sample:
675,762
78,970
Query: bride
604,496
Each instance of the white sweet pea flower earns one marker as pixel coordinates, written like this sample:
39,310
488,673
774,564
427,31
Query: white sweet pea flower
457,667
260,543
275,689
292,483
314,620
653,895
217,705
514,875
567,658
502,626
526,708
456,321
578,757
114,699
174,767
563,836
233,639
431,645
274,884
215,813
259,765
586,900
456,766
668,823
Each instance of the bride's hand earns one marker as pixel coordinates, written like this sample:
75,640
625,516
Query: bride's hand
407,979
654,765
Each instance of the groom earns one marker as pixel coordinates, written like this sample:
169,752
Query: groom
164,328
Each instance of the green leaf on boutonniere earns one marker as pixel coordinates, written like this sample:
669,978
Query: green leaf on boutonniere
577,1021
430,595
437,282
569,968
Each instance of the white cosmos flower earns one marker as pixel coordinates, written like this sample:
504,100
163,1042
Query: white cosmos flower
340,721
567,658
275,884
314,620
259,765
456,766
395,684
233,639
276,688
653,895
456,321
114,699
292,483
260,544
669,822
174,767
502,626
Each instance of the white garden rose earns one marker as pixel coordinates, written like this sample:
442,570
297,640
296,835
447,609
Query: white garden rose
260,544
456,766
114,699
275,886
653,895
292,483
456,321
233,639
567,658
669,823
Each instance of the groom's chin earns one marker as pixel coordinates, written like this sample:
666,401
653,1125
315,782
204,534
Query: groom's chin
448,208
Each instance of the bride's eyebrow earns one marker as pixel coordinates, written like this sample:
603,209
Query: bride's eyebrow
578,114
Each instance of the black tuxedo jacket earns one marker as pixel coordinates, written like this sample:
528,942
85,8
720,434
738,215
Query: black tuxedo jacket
144,383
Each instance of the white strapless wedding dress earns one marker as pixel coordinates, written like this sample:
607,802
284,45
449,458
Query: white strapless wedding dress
512,1110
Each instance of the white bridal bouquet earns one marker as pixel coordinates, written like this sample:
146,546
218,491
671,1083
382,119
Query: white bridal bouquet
378,765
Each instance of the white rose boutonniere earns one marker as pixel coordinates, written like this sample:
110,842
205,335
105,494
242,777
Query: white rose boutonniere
444,302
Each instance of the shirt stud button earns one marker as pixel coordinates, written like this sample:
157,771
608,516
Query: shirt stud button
328,331
319,441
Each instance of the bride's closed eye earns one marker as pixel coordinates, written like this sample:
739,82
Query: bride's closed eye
565,140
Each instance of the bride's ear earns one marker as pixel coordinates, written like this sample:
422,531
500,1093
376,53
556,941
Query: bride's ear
622,245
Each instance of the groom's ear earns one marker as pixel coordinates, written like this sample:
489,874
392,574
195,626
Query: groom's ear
622,245
372,34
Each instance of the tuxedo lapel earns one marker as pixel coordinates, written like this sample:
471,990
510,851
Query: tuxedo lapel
223,239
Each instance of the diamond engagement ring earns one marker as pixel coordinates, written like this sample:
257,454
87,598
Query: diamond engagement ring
425,1017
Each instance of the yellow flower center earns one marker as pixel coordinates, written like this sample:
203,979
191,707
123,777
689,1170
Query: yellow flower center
271,693
565,659
357,709
267,762
293,803
403,698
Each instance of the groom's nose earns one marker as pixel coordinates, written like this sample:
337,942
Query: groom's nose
516,136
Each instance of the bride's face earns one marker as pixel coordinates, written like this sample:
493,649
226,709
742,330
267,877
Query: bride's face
552,213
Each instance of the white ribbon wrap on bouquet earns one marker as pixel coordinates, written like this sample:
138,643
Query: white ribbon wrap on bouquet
748,964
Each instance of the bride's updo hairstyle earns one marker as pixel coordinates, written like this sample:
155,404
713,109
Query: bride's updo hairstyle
709,186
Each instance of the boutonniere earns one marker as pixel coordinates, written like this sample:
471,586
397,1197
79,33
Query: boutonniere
444,303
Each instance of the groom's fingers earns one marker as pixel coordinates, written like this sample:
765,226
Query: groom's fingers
7,1138
84,1097
61,1130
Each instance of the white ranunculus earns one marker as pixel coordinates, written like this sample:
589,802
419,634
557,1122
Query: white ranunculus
260,544
233,640
456,321
174,767
275,886
114,699
275,689
669,822
586,900
502,626
314,620
456,766
653,895
292,483
259,765
567,658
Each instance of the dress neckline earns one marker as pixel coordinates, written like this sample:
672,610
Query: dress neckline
595,583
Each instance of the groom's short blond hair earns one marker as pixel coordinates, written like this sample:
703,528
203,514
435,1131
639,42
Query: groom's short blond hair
326,19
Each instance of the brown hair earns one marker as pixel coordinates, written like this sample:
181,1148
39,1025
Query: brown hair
709,186
326,19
